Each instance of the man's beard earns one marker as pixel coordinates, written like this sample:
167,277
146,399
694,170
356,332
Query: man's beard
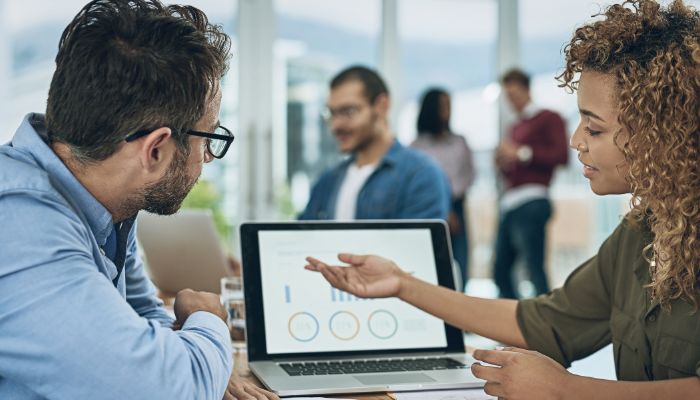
367,135
166,196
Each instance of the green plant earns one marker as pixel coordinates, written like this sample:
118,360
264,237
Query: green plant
204,195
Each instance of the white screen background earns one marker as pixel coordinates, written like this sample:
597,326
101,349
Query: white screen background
303,313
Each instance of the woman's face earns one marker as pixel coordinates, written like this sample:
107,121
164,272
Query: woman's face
445,108
603,162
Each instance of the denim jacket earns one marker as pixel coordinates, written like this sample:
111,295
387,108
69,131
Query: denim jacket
405,185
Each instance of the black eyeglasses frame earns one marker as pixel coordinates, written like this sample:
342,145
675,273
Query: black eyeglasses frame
227,138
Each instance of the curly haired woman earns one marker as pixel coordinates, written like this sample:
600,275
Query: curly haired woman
636,72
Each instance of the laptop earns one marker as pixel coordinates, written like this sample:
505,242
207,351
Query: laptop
182,250
305,337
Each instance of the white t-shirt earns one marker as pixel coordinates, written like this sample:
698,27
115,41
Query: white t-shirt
355,178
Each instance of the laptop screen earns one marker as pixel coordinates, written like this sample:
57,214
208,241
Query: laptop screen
304,314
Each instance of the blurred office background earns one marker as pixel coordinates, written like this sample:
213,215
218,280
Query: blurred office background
285,52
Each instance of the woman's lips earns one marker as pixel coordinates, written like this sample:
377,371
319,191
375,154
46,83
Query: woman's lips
589,171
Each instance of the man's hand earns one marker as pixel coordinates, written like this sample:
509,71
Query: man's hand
366,276
506,154
240,389
454,223
521,374
188,302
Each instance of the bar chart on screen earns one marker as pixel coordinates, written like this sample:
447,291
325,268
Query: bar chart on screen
287,294
338,296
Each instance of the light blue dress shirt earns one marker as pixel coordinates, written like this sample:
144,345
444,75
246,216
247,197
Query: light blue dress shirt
66,330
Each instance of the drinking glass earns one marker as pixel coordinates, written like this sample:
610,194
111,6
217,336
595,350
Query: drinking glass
234,303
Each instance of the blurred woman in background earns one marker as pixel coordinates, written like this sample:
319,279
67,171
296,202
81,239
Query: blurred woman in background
451,152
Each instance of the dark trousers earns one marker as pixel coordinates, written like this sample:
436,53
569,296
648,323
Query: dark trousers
460,240
521,234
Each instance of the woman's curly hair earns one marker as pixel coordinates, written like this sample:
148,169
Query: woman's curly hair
653,53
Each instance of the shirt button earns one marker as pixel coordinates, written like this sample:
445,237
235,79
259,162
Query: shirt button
651,318
102,251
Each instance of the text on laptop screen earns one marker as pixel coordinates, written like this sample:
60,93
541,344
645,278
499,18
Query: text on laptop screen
303,313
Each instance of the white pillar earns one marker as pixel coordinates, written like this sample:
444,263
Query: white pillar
256,35
389,56
508,52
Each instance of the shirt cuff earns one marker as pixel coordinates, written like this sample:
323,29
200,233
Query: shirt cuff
204,319
537,332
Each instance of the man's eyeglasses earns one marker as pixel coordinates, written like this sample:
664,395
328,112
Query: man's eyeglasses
343,112
218,142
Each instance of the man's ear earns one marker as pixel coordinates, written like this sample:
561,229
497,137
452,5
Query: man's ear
157,150
381,104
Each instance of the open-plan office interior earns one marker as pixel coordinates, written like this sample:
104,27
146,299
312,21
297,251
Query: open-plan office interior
284,53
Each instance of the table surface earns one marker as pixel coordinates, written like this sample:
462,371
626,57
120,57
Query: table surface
372,396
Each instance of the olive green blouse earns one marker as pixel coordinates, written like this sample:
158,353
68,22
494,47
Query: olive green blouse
605,300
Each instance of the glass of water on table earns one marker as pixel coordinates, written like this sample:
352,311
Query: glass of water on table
234,303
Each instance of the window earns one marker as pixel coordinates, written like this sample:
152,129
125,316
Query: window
27,50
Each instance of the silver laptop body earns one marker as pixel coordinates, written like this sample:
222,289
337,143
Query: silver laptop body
306,338
182,251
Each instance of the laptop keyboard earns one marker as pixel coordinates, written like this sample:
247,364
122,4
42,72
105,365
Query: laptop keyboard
373,365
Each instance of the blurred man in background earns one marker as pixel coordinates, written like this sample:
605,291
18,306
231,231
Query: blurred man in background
535,145
381,179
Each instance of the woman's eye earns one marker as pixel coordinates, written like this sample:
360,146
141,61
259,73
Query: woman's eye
592,132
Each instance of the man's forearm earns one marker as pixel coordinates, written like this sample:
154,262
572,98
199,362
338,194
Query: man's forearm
492,318
590,388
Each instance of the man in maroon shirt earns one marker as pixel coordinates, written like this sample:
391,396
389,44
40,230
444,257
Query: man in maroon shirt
526,159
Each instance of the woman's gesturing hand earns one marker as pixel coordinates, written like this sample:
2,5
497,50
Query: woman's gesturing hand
365,276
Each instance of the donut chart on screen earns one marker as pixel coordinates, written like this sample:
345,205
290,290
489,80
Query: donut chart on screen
303,326
344,325
383,324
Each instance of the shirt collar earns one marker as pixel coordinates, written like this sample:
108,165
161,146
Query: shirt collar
641,267
31,138
530,110
391,157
